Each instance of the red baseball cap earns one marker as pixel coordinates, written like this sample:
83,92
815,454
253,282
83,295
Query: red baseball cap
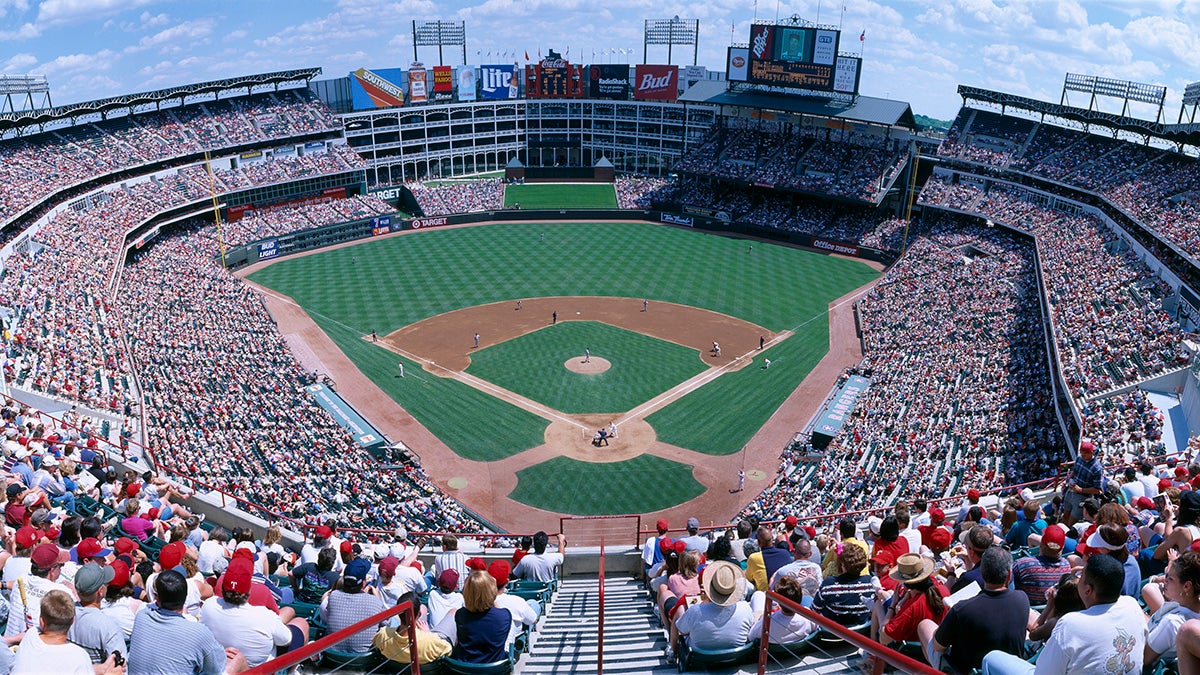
91,548
347,546
1144,502
126,545
1164,483
120,574
666,544
45,556
499,570
171,555
940,539
883,558
476,564
973,494
791,521
389,564
27,537
1181,471
1087,445
810,531
238,576
324,532
133,489
448,581
662,525
1054,537
936,515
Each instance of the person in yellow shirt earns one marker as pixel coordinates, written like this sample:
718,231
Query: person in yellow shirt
847,529
393,642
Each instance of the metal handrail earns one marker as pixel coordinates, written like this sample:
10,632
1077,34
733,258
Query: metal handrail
600,628
886,654
313,648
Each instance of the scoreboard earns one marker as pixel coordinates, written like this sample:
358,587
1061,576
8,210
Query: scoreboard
801,57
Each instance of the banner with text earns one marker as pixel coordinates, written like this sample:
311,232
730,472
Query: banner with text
655,83
498,81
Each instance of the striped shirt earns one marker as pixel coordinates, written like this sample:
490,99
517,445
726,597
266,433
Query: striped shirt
451,560
167,643
342,610
1036,575
843,599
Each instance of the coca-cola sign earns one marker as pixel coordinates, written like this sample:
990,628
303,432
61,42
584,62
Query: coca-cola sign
655,83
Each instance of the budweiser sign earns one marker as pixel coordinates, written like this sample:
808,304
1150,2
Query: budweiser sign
656,83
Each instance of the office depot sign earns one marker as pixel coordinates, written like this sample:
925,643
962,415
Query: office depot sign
655,83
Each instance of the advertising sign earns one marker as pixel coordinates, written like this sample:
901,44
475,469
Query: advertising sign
762,42
443,78
797,56
381,225
268,249
693,74
376,88
676,220
418,223
497,82
555,77
466,83
846,74
825,47
417,91
835,247
738,64
609,80
655,83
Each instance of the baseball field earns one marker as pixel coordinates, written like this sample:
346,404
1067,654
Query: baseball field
580,326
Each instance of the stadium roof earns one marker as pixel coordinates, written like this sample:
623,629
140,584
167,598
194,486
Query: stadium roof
866,109
13,120
1188,134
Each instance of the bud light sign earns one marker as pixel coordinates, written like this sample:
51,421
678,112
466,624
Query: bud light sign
497,82
655,83
268,249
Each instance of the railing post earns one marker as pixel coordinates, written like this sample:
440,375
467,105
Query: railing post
765,641
414,661
600,635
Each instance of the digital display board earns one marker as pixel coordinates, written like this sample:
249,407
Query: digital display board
803,57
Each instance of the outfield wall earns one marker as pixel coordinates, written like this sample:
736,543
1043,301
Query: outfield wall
366,228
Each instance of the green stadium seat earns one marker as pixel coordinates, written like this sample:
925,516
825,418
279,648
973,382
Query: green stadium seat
455,667
691,658
349,661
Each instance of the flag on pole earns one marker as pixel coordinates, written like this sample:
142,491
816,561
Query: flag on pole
526,56
863,36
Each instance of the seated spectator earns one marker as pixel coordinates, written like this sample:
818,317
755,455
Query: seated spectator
673,596
46,649
346,606
848,534
994,619
1062,599
444,599
695,541
803,569
844,598
393,642
1109,635
97,632
524,612
773,554
651,554
786,625
450,559
919,598
889,539
482,627
723,619
395,580
28,590
1111,539
313,580
542,566
1172,599
1035,575
192,647
118,602
257,632
978,539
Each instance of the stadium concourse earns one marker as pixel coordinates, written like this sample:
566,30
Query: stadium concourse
955,337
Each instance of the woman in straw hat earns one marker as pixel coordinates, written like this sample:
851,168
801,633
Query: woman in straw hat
723,618
920,598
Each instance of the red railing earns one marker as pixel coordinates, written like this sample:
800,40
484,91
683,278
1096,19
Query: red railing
886,655
313,648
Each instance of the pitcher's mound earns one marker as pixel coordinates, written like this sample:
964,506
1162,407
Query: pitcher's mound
595,366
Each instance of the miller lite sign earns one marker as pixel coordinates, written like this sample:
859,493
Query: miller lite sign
497,81
655,83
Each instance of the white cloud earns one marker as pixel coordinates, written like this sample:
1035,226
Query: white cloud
52,12
176,38
18,64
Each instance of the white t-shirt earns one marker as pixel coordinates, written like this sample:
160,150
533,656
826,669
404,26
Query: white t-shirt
1164,626
536,567
1151,483
35,588
210,552
255,631
784,628
35,656
16,567
522,614
194,602
441,603
1134,489
710,626
1101,639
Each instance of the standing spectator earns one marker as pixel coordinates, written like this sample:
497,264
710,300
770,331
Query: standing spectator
1083,481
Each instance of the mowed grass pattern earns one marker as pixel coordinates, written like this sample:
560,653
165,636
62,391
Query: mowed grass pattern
721,417
552,196
532,365
400,280
644,483
474,424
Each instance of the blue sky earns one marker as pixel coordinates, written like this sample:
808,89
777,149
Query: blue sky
914,51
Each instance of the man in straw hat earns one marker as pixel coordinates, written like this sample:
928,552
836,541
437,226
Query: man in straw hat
723,619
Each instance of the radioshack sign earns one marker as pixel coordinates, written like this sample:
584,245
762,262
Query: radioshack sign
655,83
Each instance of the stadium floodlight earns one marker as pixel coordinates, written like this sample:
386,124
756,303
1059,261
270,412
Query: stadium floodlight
439,34
1126,90
24,86
671,32
1191,94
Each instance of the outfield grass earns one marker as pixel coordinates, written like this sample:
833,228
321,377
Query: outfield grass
532,365
555,196
400,280
644,483
721,417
